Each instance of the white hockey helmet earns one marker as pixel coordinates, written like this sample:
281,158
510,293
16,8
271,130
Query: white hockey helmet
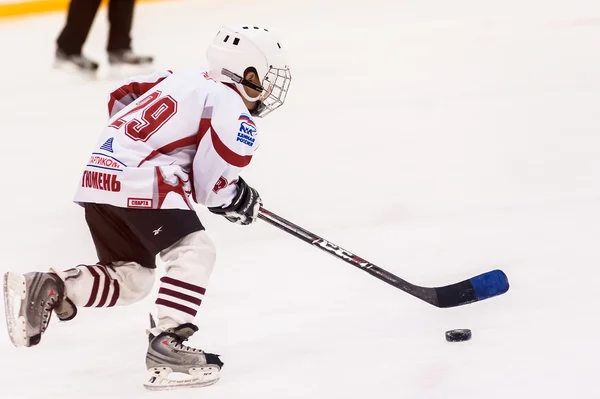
234,50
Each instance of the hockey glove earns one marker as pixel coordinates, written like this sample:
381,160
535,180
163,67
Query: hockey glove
244,207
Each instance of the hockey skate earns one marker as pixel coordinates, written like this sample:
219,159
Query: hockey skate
167,354
128,57
124,63
29,300
75,63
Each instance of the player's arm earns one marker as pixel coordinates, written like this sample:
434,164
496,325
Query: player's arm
131,89
225,150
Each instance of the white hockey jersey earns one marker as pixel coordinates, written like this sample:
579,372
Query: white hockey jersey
171,135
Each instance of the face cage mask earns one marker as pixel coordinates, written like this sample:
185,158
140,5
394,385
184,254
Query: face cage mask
274,90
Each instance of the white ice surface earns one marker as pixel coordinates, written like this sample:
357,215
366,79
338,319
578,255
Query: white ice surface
437,139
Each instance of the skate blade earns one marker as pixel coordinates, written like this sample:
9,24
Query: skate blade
201,377
14,289
71,69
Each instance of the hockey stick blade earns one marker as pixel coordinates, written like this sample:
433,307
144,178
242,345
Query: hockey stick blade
478,288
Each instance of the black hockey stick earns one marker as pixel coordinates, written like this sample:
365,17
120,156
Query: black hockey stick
478,288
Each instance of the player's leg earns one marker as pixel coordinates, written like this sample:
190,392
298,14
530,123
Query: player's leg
120,17
189,256
71,39
189,264
105,286
124,275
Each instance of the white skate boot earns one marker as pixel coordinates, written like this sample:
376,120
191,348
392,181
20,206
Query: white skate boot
167,354
29,300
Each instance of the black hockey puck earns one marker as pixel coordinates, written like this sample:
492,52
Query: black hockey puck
458,335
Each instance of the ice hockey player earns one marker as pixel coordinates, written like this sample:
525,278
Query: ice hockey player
173,138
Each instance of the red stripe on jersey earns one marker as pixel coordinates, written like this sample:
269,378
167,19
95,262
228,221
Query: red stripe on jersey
137,88
202,130
224,152
203,127
168,148
163,189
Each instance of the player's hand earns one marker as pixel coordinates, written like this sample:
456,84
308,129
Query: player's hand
244,207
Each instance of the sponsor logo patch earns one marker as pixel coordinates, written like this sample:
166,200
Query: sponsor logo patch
139,202
100,181
107,146
247,130
101,161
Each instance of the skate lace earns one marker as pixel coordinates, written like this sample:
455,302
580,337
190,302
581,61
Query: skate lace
178,344
48,312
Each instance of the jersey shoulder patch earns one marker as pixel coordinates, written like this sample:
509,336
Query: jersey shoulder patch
233,125
247,133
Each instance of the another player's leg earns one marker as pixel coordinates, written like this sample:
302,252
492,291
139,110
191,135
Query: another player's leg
80,17
120,16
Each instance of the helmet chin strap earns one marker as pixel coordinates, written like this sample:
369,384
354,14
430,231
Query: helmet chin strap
240,87
241,82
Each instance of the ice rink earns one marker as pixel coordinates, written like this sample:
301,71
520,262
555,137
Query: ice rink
437,139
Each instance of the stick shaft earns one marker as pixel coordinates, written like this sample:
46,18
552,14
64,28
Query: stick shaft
475,289
425,294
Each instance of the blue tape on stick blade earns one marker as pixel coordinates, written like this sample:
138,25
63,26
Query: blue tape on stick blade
490,284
